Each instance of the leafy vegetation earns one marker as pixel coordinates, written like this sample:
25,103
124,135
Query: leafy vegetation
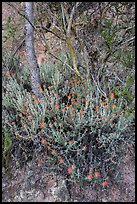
80,121
82,132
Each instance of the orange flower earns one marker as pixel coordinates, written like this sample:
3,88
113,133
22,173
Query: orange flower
53,151
28,117
112,95
71,82
73,95
20,114
70,170
97,107
75,103
72,99
81,111
105,183
33,96
56,106
69,96
61,160
36,101
42,125
79,95
97,174
19,53
75,80
113,106
103,103
72,109
68,106
25,104
8,73
43,141
90,176
63,109
70,142
50,87
48,147
78,99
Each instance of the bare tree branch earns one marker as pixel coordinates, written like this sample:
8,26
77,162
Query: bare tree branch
118,46
10,4
71,18
50,31
127,41
63,16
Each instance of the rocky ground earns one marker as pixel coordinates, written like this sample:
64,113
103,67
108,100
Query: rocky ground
34,183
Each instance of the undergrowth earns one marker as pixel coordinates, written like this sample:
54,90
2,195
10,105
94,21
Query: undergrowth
82,132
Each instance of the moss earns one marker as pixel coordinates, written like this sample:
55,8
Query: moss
72,55
127,95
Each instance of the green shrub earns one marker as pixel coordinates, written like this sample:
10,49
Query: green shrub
82,132
10,29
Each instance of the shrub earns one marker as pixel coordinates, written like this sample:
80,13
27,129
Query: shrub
82,132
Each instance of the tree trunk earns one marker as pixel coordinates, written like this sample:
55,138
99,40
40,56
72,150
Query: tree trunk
30,51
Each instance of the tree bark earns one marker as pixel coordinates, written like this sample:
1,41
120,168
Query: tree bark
30,51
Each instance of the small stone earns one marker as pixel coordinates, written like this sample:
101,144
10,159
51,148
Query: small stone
22,194
4,185
3,170
49,199
16,199
40,197
104,200
60,191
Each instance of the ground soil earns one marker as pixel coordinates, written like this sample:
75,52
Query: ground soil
33,182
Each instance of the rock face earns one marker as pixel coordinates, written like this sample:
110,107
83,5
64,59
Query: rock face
36,184
60,191
33,185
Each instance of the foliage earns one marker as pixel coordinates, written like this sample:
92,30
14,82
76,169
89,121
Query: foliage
7,143
10,29
82,132
125,93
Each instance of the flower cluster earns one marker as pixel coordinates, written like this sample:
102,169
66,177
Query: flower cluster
78,127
